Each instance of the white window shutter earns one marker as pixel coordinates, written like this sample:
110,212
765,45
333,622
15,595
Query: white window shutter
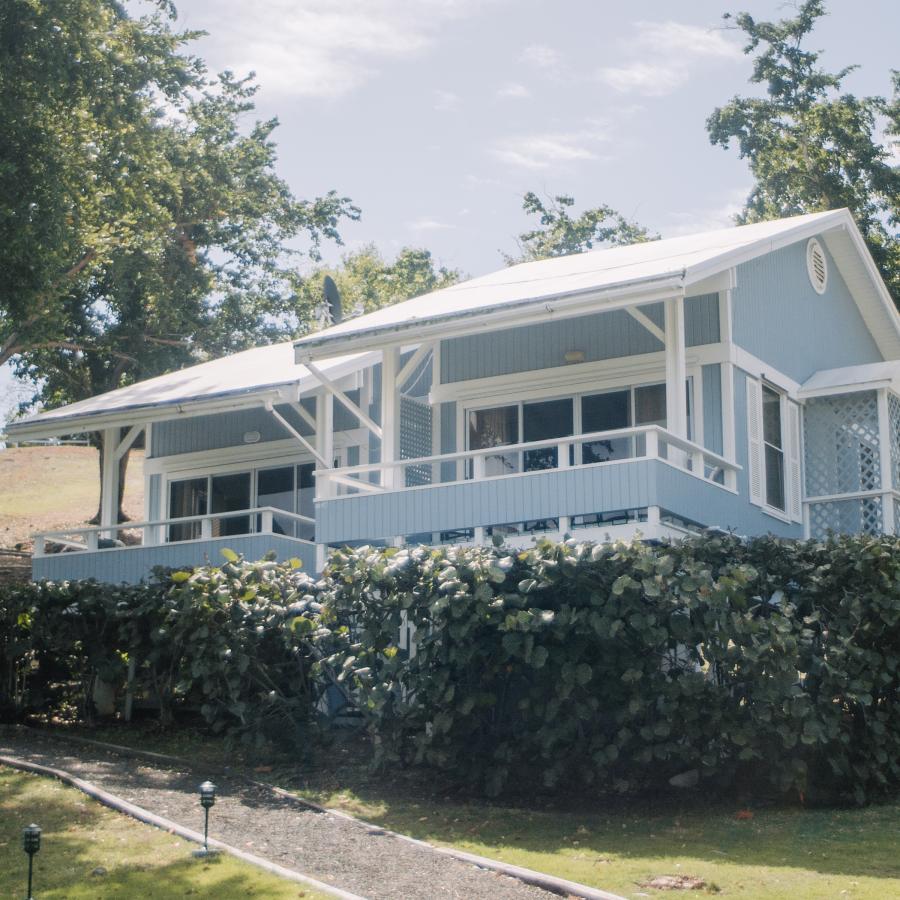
754,438
794,470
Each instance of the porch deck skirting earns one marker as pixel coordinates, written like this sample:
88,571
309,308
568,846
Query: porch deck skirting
131,565
582,490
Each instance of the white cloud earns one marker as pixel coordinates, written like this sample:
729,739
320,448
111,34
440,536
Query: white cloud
427,224
647,79
539,151
541,56
320,48
676,50
446,100
678,39
513,91
697,219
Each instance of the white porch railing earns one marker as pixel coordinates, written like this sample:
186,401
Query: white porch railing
261,520
640,442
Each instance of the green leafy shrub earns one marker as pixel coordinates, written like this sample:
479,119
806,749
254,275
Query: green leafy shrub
238,641
621,667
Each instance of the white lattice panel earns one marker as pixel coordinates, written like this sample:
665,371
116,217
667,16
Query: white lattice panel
842,445
415,438
894,423
862,516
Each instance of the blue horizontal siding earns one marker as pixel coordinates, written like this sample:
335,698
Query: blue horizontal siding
199,433
134,564
575,491
712,407
599,336
782,320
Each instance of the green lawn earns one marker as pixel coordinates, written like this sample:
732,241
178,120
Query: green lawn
80,835
775,853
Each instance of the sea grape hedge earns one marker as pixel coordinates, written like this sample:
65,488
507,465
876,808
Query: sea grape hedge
237,641
583,666
572,666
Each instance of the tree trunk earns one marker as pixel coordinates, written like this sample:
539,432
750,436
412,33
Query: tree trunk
97,441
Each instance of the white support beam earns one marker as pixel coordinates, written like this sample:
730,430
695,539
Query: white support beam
884,450
270,408
357,484
343,399
126,443
676,369
390,414
109,483
412,364
639,315
304,414
325,440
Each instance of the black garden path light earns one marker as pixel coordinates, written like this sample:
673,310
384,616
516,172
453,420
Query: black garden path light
31,843
207,801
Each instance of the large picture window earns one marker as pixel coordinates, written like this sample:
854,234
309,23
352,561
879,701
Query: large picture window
289,488
544,420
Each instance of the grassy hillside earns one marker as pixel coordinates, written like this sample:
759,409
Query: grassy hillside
50,488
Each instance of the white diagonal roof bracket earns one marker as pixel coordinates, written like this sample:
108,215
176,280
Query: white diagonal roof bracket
640,316
412,364
304,414
126,443
344,400
296,435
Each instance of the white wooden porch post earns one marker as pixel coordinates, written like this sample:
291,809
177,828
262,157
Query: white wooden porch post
676,373
109,494
390,416
884,450
324,440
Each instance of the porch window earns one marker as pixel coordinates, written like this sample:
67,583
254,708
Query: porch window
275,487
187,498
545,421
773,448
230,493
606,412
495,428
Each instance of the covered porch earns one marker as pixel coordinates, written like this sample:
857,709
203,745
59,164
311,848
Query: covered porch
607,416
231,448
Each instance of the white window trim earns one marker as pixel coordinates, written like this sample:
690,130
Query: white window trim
792,475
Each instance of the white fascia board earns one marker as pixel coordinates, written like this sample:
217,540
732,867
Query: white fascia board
64,425
511,315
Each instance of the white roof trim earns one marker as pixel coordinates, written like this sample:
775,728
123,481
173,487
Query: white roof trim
251,378
848,379
564,285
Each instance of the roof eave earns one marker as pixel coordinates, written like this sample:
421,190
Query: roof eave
630,293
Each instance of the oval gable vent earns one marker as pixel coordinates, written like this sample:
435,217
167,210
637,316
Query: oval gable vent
817,266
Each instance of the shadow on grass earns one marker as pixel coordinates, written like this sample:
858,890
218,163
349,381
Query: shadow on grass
845,842
81,837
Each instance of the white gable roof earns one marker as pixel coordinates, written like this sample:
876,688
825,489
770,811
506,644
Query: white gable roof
675,264
248,377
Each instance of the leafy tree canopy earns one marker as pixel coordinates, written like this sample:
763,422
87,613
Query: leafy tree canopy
142,225
367,281
560,233
810,145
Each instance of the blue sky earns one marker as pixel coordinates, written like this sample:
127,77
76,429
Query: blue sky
435,116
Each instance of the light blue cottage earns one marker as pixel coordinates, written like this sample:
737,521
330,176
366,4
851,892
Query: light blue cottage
746,379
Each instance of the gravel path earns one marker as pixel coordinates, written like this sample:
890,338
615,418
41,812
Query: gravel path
347,854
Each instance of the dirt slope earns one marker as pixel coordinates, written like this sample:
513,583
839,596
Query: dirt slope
50,488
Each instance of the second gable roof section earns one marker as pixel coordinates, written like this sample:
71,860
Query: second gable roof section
609,278
248,378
